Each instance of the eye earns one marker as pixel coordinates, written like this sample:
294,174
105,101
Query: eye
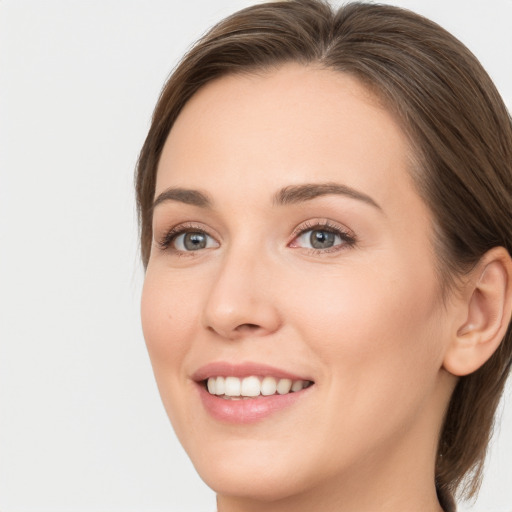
319,239
187,239
322,238
193,241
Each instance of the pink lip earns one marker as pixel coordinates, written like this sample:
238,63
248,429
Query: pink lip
252,409
225,369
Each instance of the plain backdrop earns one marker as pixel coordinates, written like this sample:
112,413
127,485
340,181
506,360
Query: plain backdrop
82,428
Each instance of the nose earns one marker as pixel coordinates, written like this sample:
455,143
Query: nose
241,302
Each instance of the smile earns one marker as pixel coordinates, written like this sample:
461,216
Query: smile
246,393
234,388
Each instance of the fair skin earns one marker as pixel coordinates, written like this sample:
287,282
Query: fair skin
361,317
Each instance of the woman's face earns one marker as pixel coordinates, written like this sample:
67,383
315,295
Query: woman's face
290,245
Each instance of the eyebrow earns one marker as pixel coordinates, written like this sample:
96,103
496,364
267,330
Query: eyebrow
183,195
292,194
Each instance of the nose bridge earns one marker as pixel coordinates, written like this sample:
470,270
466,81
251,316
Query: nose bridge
240,300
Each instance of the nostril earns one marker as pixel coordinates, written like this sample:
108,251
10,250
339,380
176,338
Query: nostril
247,327
239,331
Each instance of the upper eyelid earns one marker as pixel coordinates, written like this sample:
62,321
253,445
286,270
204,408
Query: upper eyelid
321,223
303,226
183,227
171,234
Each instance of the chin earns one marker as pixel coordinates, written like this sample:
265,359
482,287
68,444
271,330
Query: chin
265,470
254,480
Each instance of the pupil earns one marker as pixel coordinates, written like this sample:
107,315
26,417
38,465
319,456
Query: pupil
321,239
194,241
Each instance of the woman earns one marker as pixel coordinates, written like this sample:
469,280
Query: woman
325,201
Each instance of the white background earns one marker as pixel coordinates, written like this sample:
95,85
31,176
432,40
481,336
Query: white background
81,424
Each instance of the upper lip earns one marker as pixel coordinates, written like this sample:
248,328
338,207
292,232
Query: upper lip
227,369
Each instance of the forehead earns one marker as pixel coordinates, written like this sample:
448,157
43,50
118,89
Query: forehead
287,126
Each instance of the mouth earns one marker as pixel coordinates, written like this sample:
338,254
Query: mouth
247,393
253,386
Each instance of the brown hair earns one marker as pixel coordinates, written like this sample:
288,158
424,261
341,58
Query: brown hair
460,130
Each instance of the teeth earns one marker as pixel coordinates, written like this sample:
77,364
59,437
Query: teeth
233,386
268,386
236,389
284,386
251,386
220,385
297,385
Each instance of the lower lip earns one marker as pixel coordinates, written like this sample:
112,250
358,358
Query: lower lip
249,410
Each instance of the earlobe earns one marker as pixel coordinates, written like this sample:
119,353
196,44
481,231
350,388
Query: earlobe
486,310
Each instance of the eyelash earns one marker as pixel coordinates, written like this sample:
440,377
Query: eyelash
165,243
348,239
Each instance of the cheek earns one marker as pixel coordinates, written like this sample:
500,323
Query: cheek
379,337
361,310
169,315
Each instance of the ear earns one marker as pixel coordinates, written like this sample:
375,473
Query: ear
484,313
